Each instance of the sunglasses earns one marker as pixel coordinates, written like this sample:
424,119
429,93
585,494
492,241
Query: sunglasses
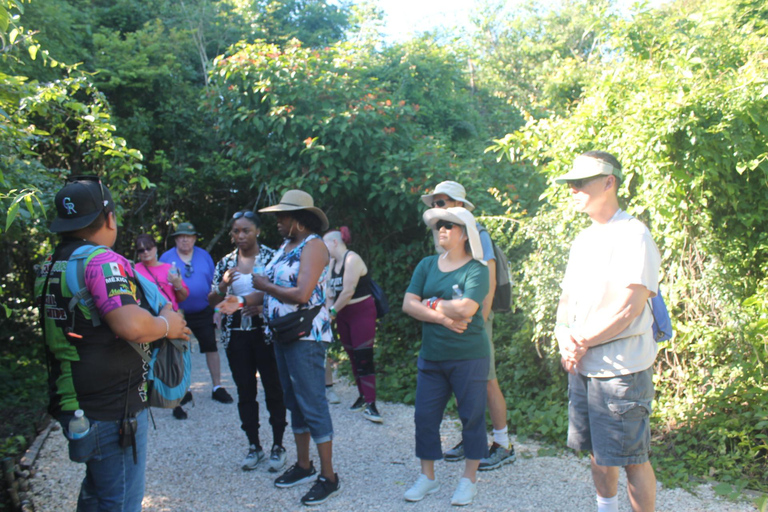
142,250
247,215
439,203
579,184
445,224
189,270
96,179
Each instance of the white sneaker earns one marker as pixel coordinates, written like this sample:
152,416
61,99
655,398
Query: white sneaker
253,458
421,488
465,492
332,397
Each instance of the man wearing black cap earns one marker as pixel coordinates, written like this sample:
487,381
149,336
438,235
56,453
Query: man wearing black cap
93,371
196,267
604,334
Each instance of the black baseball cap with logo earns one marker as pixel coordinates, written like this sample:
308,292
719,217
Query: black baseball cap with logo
78,204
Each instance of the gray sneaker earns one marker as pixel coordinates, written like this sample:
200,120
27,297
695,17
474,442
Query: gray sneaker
497,458
455,454
277,458
255,455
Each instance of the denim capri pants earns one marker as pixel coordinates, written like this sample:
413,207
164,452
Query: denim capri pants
467,379
301,365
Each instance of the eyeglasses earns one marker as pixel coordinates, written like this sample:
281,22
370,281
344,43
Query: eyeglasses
439,203
445,224
189,270
247,215
96,179
142,250
581,183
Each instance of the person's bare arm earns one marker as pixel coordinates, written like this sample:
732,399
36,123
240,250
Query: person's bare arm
488,301
605,325
414,307
132,323
457,308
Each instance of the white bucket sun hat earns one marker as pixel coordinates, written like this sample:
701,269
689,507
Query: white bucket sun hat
463,217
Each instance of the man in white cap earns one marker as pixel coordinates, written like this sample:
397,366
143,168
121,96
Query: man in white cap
448,194
605,337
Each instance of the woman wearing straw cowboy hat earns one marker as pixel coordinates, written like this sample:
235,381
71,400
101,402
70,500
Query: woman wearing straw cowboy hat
446,293
294,284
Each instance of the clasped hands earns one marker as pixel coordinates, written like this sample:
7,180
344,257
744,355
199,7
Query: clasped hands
572,348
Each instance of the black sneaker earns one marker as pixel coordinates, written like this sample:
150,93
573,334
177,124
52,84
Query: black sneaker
179,413
322,491
372,414
295,475
455,454
187,398
359,404
221,395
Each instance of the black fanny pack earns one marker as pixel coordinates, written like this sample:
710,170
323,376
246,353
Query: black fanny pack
293,326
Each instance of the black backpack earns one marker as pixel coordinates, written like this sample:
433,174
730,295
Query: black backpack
502,299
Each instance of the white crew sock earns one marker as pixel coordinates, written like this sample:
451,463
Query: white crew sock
608,504
501,437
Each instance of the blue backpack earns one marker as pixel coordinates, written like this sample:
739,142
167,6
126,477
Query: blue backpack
170,365
662,323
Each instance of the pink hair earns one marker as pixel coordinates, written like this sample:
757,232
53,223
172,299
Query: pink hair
346,236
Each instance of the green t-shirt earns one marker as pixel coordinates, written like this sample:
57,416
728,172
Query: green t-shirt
439,343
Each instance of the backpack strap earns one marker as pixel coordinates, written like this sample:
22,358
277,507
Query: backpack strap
75,276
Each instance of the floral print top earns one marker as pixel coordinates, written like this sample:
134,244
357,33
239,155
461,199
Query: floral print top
229,261
283,270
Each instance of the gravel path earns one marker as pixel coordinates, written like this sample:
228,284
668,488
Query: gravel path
194,465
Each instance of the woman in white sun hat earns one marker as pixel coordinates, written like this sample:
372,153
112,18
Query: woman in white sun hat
446,293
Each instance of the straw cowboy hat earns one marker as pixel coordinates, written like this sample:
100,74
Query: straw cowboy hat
294,200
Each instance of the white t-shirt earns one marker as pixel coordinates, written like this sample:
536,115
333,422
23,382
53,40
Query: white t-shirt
604,260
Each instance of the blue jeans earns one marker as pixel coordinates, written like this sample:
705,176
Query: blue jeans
436,380
113,482
301,365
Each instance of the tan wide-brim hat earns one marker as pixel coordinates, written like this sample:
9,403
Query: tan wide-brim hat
294,200
463,217
453,190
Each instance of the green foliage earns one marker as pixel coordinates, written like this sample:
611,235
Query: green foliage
681,106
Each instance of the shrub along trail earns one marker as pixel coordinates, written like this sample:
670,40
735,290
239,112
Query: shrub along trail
194,465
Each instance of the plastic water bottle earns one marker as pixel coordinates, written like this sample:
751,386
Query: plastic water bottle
258,270
174,270
457,292
79,425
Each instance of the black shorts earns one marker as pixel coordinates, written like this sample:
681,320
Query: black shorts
201,324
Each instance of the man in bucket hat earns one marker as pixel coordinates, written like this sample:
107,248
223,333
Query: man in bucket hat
449,194
604,333
92,373
196,267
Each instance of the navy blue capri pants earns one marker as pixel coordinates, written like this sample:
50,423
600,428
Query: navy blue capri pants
467,379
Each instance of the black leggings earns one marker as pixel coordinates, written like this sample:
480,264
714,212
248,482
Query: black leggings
248,353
